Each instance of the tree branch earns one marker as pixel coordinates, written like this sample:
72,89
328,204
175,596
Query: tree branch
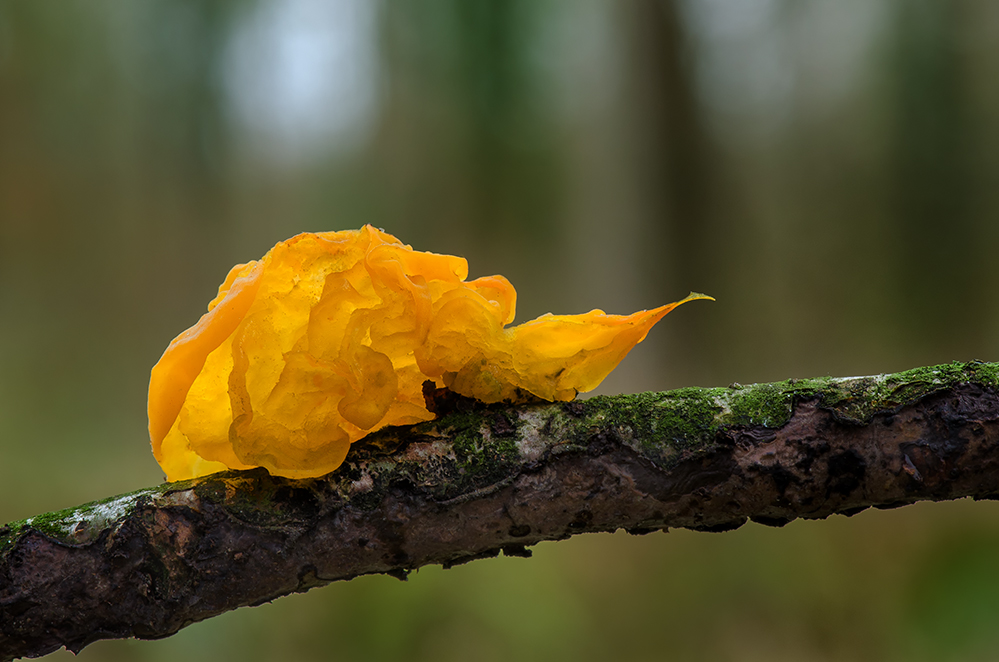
480,480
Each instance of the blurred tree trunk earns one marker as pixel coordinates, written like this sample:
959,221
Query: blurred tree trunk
672,161
934,192
671,149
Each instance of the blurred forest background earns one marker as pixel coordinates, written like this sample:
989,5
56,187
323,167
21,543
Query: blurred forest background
828,170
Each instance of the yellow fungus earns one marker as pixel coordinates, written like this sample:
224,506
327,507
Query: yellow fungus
331,336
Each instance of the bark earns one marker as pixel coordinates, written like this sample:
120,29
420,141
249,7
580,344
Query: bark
480,480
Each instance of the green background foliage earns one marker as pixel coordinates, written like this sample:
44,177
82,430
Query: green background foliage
826,170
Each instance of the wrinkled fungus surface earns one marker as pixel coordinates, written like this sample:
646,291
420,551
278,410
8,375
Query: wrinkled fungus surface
331,336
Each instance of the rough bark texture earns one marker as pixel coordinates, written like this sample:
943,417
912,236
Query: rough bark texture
482,480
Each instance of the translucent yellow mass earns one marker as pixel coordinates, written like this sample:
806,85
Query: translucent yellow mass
331,336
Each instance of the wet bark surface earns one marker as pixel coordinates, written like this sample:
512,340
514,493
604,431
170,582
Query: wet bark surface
478,482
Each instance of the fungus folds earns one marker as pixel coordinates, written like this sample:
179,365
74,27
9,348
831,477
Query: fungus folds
331,336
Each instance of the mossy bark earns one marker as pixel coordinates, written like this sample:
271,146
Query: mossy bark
480,480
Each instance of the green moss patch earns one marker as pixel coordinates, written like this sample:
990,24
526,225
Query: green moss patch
670,424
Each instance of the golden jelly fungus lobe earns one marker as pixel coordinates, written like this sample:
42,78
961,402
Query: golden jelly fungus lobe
330,336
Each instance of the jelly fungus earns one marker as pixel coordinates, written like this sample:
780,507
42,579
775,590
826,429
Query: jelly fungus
331,336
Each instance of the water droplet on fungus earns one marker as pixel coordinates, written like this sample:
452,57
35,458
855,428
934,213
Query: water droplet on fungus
331,336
